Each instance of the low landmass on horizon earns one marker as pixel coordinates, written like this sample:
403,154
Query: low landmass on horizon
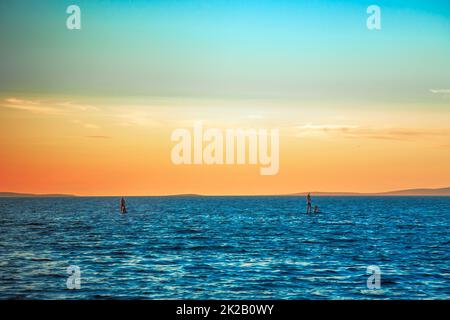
32,195
405,192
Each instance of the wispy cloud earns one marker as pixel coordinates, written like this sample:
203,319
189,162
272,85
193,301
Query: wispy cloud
324,129
353,131
21,101
121,115
34,106
137,118
440,91
77,106
45,107
85,124
327,127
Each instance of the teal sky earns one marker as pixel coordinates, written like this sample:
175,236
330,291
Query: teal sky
258,49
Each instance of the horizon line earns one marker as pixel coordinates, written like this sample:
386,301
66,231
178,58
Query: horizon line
399,192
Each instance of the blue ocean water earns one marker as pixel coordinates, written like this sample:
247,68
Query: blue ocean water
225,248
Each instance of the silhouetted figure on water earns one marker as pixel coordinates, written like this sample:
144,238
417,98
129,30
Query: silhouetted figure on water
308,203
123,208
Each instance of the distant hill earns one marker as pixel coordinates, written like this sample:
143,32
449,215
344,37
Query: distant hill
30,195
187,195
406,192
318,193
419,192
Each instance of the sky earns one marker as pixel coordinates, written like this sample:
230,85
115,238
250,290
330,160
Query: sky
91,111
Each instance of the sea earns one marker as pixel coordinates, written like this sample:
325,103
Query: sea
189,247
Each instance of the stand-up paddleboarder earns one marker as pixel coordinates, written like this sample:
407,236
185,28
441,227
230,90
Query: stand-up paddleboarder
308,203
123,208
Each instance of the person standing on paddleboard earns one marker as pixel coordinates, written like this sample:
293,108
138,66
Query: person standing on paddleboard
123,208
308,203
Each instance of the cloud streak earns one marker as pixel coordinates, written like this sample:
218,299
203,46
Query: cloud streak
440,91
352,131
45,107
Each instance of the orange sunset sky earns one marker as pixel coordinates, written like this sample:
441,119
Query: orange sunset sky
68,146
